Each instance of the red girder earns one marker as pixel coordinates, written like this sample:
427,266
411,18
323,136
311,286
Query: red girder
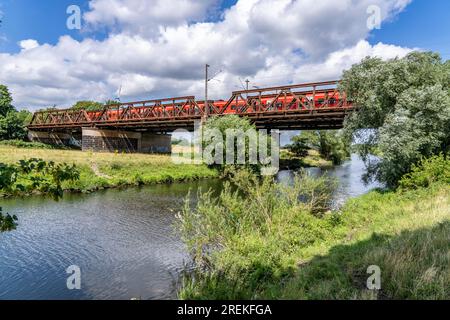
265,106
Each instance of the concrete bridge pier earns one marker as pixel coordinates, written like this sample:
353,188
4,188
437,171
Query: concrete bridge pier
55,138
103,140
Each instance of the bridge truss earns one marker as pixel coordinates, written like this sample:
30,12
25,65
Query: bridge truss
290,107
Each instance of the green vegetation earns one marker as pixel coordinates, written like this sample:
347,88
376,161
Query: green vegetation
7,222
33,175
427,172
331,145
12,122
406,103
30,145
105,170
217,134
88,106
269,241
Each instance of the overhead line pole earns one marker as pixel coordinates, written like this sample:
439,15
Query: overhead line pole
206,91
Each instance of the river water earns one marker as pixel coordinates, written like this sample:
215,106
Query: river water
122,240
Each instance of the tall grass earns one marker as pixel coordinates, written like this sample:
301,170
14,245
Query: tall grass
269,241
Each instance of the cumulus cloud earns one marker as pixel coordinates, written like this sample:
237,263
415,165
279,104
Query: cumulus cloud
144,16
159,48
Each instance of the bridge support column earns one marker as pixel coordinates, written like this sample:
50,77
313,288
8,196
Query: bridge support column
100,140
52,138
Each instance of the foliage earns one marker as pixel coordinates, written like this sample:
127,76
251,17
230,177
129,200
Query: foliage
427,172
332,145
406,104
36,175
13,125
214,134
29,145
88,106
5,101
7,222
248,229
291,253
300,145
105,170
33,175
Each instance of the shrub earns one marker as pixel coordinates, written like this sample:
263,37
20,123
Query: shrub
428,171
250,231
27,145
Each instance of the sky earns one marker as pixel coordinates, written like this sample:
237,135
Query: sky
145,49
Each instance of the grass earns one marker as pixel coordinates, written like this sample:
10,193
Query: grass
108,170
294,254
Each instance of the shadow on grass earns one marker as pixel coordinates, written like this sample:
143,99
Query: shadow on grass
414,265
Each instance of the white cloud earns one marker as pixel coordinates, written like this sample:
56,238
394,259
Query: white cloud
28,44
144,16
158,49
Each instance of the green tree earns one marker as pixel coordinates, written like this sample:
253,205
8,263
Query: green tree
332,145
88,105
5,101
13,125
406,104
300,145
220,125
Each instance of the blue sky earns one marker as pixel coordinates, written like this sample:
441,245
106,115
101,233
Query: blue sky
424,24
158,48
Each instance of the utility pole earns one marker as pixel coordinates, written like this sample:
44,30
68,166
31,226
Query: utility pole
206,91
247,82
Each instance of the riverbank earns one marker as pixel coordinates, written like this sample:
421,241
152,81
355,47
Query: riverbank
294,254
109,170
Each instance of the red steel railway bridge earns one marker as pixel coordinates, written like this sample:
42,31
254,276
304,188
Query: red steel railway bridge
143,126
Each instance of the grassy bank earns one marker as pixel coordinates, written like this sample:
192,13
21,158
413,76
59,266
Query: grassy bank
106,170
278,248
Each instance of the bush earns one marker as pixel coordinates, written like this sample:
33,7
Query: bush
27,145
251,230
7,222
427,172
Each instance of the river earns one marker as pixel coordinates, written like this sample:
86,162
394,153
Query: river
122,240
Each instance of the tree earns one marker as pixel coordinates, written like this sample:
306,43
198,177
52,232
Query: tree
332,145
13,125
406,103
218,134
300,145
5,101
88,105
